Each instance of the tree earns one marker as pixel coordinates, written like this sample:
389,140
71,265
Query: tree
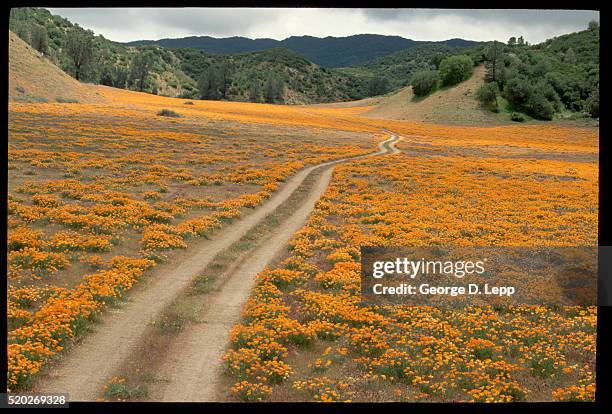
79,48
225,78
570,57
424,82
274,88
512,41
495,63
255,92
141,65
378,86
215,81
530,98
24,32
539,107
39,40
520,41
592,104
455,69
517,91
121,77
487,94
594,25
206,85
209,83
107,76
437,59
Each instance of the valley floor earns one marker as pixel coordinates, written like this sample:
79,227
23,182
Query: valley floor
128,230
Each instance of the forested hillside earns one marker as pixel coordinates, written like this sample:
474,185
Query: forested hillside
399,67
329,52
273,75
557,78
95,59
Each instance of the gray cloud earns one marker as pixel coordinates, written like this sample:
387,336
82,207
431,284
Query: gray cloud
125,24
561,18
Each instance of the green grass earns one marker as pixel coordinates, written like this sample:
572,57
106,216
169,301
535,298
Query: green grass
123,391
202,284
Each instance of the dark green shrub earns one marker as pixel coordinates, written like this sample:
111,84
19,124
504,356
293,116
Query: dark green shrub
378,86
539,107
60,99
592,104
169,113
517,91
424,82
487,94
517,117
548,92
455,69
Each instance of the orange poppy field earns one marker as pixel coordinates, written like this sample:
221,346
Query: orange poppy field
305,337
101,193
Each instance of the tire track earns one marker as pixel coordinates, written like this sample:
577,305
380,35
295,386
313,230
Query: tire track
193,366
84,371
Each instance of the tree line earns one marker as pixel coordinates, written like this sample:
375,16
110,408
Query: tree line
216,80
542,82
450,70
539,81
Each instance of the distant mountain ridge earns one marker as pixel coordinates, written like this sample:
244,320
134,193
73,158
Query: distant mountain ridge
330,52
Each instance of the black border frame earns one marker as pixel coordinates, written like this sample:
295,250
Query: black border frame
603,395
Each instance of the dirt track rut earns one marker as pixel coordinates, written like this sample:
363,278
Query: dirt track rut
83,372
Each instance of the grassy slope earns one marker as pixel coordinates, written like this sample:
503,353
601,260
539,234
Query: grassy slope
451,106
455,105
165,72
34,78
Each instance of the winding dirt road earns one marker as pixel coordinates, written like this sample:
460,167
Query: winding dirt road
192,370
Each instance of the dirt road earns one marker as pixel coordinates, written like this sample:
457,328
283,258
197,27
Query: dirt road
84,371
192,368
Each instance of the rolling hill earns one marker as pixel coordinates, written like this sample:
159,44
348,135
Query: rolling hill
398,67
175,73
557,78
111,62
33,78
456,105
329,52
304,81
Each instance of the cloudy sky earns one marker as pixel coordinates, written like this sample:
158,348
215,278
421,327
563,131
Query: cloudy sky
125,24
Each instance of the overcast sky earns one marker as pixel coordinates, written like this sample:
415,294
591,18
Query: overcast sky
126,24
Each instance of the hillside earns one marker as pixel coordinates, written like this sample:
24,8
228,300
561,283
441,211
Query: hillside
399,67
456,105
564,70
304,82
558,78
175,73
329,52
111,63
33,78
